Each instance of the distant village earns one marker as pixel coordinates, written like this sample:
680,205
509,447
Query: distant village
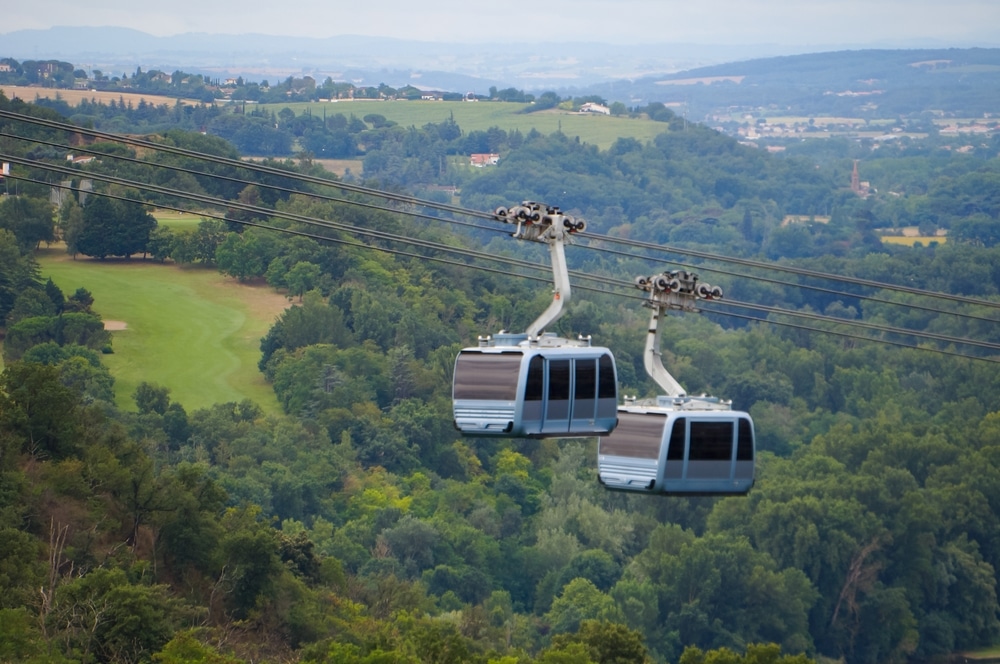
757,128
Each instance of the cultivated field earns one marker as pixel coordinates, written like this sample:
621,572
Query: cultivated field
595,129
193,331
910,241
74,97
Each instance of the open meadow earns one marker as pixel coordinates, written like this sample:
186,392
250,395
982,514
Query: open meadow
595,129
191,330
177,221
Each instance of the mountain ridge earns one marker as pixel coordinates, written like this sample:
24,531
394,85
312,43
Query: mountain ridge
530,66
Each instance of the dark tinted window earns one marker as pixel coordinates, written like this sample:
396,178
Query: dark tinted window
637,435
536,379
744,443
676,450
487,376
607,389
558,380
711,441
586,379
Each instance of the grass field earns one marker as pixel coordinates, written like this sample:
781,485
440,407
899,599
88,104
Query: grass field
599,130
177,220
193,331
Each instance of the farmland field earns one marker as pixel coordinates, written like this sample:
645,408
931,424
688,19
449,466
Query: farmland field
909,241
193,331
74,97
595,129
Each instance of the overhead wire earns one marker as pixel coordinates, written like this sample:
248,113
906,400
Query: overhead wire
416,214
438,246
412,200
266,185
330,239
484,256
805,272
819,289
890,342
236,163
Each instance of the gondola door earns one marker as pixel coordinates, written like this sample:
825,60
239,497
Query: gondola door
566,396
584,405
557,406
547,405
533,405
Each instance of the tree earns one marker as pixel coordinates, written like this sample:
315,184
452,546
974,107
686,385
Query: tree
200,245
580,600
302,277
17,272
240,256
39,410
250,551
103,613
99,224
114,228
151,398
607,643
30,219
186,648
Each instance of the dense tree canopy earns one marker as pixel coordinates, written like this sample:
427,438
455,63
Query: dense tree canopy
358,526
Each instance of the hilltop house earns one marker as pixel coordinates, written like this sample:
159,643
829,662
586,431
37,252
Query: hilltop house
591,107
480,160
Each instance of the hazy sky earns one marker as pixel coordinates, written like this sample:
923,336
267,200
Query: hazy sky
792,22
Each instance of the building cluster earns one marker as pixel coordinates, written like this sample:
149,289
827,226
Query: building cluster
484,159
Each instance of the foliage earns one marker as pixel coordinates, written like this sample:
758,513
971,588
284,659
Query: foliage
357,526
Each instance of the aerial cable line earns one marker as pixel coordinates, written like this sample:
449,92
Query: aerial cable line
492,257
267,212
725,301
439,247
805,272
857,323
820,289
288,190
204,199
544,279
236,163
335,240
420,215
465,211
846,335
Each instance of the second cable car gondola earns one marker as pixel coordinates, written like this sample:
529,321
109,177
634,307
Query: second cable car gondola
678,444
535,384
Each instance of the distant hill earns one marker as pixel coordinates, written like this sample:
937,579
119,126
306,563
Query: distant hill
863,83
699,81
532,65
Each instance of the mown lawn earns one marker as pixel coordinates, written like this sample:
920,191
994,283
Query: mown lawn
599,130
193,331
177,220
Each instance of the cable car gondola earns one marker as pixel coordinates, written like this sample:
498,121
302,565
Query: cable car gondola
678,444
535,384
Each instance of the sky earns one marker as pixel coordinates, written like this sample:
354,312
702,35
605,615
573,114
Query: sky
876,23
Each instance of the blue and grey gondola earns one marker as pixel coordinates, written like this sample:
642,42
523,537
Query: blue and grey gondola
677,444
678,452
513,386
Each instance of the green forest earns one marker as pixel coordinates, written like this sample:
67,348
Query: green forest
359,526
